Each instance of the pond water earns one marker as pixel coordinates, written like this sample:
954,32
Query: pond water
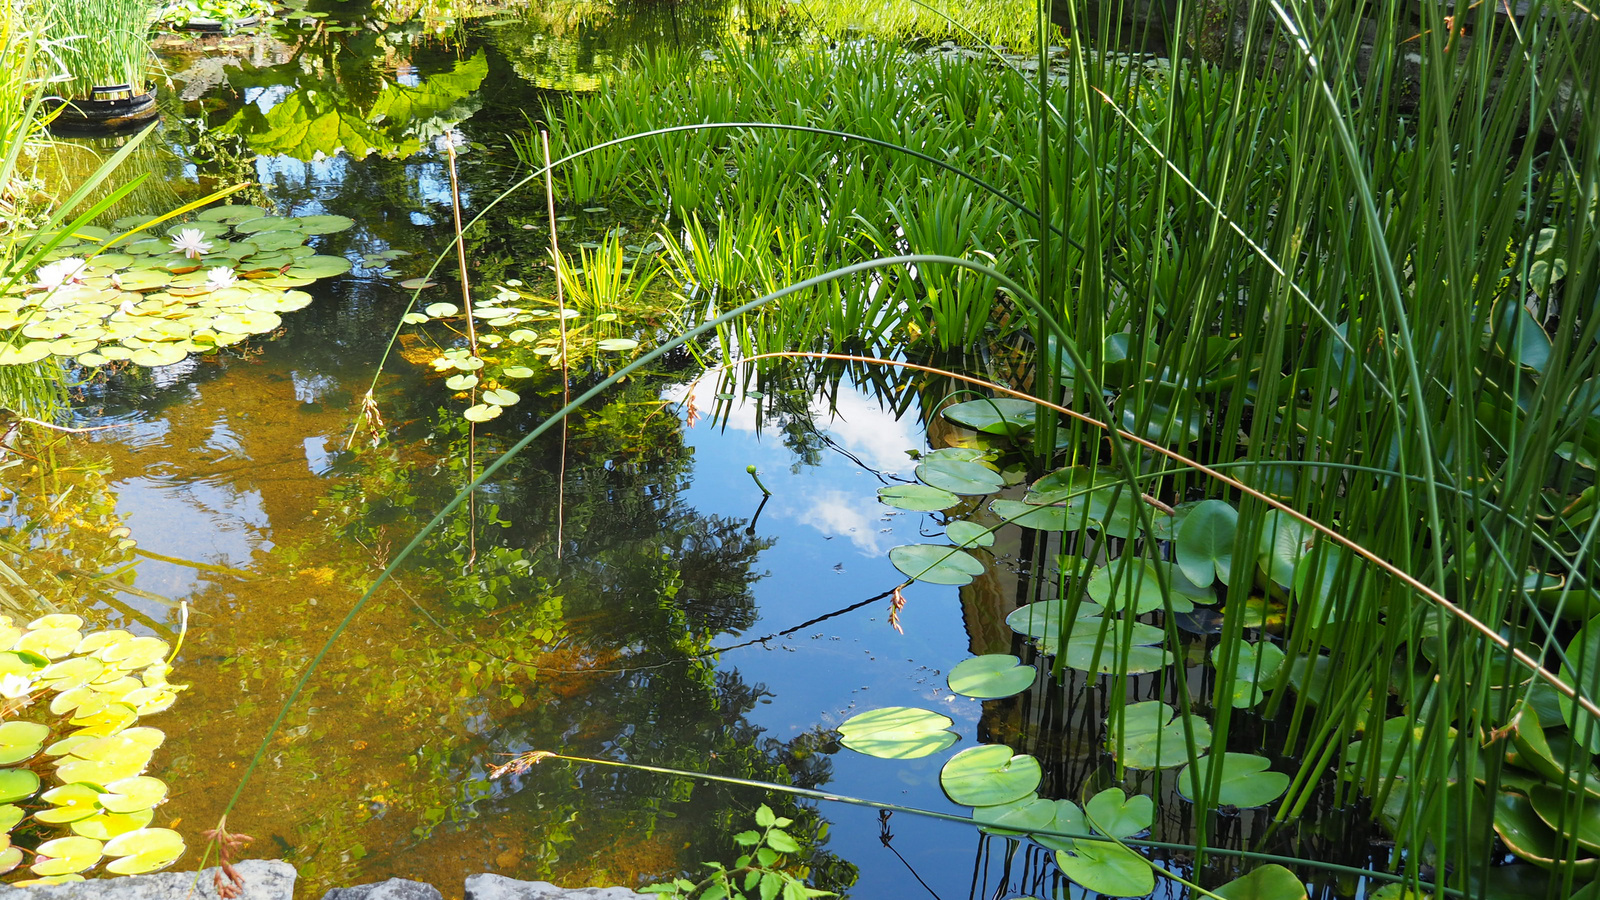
667,616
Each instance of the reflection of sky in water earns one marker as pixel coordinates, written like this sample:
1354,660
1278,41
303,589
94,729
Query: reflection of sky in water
197,520
831,543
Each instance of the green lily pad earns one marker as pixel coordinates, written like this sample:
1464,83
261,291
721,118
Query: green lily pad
144,850
960,476
917,497
462,382
105,826
20,740
616,345
1107,868
51,643
991,676
1129,581
1254,665
131,795
988,775
1578,820
1151,735
319,267
1247,781
1114,814
1069,819
1269,882
1527,835
10,815
500,397
70,803
328,224
23,354
66,855
1027,515
517,372
1046,617
1002,415
1110,646
897,732
481,412
968,534
230,213
1583,655
1204,543
935,564
1021,816
158,355
268,223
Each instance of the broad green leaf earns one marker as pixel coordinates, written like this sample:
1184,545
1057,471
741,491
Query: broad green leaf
65,855
1205,543
17,784
1246,781
1114,814
130,795
1574,814
989,775
991,676
1131,582
917,497
1151,735
1527,835
968,534
1110,646
897,732
1044,618
1027,515
481,412
1107,868
1029,813
501,397
1269,882
617,345
1002,415
144,850
936,564
960,476
1254,666
20,740
1583,655
1069,819
1283,541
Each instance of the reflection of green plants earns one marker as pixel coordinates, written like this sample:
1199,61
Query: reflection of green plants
760,872
99,685
221,12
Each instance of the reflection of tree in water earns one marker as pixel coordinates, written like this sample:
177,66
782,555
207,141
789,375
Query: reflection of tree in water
627,618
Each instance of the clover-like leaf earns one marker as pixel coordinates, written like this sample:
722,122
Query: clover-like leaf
917,497
1114,814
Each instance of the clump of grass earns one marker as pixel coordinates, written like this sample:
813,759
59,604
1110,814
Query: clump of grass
96,43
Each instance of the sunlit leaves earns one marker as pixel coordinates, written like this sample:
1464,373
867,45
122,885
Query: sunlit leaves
1107,868
1151,735
1204,543
991,676
1246,780
897,732
935,564
1269,882
1002,415
988,775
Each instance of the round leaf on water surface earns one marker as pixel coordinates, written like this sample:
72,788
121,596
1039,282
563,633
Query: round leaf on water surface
65,855
461,382
936,564
157,355
917,497
991,676
1002,415
1254,666
1527,835
1246,781
21,740
131,795
273,241
319,267
1270,882
1029,813
1204,543
897,732
268,223
71,769
1114,814
968,534
989,775
1044,618
231,213
1027,515
960,476
517,372
1107,868
1068,819
105,826
501,397
1151,736
70,673
440,310
70,803
10,815
417,284
481,412
617,345
51,643
1110,647
23,354
145,850
10,858
1133,582
323,224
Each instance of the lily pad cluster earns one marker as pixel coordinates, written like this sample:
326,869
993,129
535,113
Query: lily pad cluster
516,332
72,754
152,296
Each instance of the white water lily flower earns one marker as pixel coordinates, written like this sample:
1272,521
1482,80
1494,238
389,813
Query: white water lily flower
13,686
60,272
192,242
221,277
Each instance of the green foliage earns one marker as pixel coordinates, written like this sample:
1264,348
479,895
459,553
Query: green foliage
71,704
152,298
760,872
96,42
207,12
